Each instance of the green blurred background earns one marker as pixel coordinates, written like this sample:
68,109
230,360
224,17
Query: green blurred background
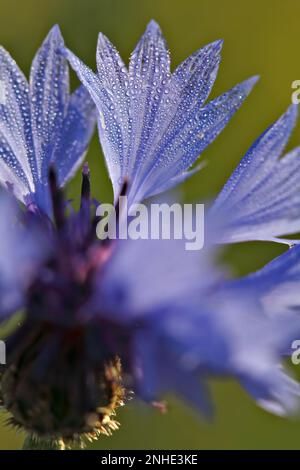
261,37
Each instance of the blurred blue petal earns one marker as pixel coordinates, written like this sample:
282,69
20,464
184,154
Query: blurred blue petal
171,273
188,322
274,390
276,284
158,371
21,251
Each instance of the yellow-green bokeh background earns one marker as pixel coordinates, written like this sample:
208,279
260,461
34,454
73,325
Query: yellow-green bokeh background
261,37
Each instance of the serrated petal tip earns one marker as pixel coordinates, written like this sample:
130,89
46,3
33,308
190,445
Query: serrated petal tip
153,27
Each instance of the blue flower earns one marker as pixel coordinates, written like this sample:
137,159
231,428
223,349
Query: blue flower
103,317
41,123
153,124
147,316
261,199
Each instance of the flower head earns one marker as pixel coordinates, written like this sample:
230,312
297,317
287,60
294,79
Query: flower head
101,318
153,124
41,123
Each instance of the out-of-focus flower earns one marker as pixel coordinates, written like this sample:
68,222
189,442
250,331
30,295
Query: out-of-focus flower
153,124
101,318
41,123
261,199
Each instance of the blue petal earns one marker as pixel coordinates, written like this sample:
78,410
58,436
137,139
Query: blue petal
163,185
274,391
110,131
152,124
49,89
76,132
277,283
149,81
12,174
177,151
17,149
181,95
115,123
261,200
41,123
